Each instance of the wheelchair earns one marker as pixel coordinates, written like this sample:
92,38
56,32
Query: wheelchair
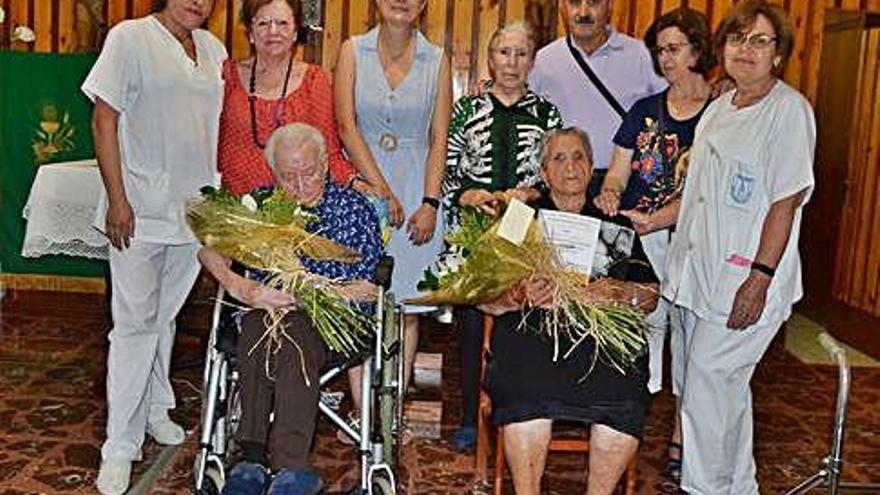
376,437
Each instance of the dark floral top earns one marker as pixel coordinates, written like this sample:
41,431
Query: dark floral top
346,217
657,141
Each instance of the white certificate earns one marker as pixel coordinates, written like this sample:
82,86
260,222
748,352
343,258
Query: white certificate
574,237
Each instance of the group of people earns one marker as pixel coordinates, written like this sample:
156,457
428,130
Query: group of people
595,123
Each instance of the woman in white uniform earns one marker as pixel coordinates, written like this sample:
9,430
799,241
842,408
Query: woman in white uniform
158,93
734,271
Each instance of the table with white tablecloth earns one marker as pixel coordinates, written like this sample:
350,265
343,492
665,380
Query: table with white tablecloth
60,210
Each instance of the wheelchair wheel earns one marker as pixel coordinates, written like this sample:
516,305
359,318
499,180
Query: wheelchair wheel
213,482
233,416
381,486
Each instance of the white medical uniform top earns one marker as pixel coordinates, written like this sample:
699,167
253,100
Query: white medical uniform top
169,110
742,161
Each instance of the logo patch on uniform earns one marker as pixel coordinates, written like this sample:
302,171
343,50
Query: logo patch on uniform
741,188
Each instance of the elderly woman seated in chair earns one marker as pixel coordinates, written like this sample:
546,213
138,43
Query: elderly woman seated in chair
298,158
528,389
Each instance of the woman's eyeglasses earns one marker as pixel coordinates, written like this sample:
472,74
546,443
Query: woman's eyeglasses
672,49
265,23
590,3
758,40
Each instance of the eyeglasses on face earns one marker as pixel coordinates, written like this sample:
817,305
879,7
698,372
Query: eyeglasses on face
757,40
265,23
590,3
672,49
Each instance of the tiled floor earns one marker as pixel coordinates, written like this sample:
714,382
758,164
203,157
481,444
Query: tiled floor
52,351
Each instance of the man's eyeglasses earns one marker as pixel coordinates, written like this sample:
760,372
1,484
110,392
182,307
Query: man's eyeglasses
758,40
672,49
264,23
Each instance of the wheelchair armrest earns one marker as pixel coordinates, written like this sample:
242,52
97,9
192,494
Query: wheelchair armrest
384,270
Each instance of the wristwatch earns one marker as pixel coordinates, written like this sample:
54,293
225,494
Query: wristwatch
427,200
761,267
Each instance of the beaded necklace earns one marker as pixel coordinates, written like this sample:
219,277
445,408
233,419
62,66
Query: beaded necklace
279,108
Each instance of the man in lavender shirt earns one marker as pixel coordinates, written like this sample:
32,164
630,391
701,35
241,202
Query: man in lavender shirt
622,63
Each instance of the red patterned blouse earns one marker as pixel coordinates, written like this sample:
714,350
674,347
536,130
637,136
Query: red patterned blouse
241,163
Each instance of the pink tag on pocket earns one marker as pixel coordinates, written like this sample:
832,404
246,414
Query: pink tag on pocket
738,260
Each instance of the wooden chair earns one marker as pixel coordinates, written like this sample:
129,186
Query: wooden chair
484,427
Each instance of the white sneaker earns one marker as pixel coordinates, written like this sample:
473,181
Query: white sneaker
114,476
166,432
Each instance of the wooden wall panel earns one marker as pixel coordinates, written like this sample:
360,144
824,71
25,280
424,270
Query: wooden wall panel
857,264
717,9
66,30
218,22
333,35
434,21
700,5
463,28
17,14
645,15
358,17
42,26
620,15
144,7
239,46
668,5
799,15
515,9
463,52
116,11
489,22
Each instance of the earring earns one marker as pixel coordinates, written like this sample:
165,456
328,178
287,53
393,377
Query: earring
776,62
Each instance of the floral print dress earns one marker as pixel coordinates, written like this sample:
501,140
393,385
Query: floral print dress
658,141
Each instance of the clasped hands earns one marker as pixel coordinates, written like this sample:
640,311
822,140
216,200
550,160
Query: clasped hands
532,291
259,296
489,203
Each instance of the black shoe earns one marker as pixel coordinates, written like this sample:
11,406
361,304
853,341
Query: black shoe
673,465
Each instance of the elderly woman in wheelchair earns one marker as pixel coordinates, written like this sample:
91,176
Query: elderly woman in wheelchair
285,380
530,390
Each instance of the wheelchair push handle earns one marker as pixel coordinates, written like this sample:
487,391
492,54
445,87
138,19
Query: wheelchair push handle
383,272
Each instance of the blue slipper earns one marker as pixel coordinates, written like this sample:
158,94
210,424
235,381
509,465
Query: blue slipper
247,478
298,482
465,439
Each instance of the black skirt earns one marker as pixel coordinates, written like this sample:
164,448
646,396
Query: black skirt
525,383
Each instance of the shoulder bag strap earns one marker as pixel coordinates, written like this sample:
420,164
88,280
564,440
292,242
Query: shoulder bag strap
595,79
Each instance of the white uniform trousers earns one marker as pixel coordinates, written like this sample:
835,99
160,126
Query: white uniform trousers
716,405
656,245
150,284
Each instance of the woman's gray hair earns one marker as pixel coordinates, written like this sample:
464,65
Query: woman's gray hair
296,134
519,26
544,148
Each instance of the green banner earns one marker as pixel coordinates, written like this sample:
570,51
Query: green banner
44,118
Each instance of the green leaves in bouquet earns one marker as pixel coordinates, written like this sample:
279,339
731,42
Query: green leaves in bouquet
273,206
278,209
219,195
429,282
474,223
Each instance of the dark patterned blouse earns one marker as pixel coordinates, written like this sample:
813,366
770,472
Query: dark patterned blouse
494,147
